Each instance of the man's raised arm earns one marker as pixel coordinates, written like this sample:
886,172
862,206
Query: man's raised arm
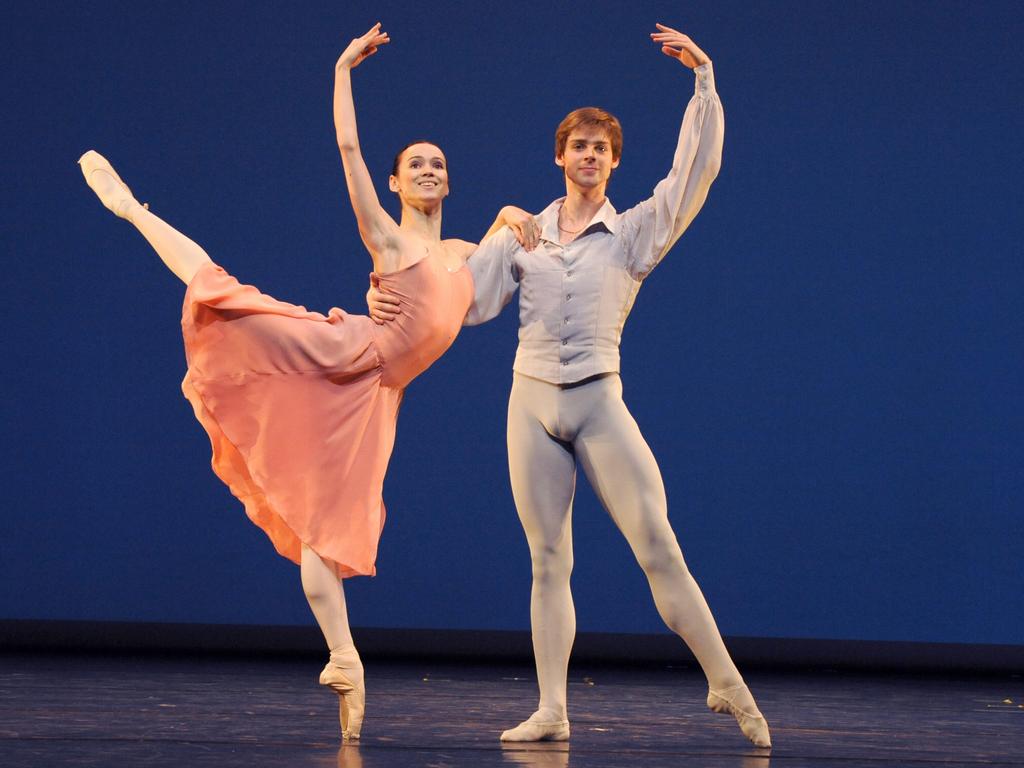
654,225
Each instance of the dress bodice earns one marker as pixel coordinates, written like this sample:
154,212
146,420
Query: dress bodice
433,304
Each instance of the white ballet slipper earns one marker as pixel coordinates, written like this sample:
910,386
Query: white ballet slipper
537,729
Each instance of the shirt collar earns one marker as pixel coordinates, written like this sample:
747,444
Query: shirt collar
548,219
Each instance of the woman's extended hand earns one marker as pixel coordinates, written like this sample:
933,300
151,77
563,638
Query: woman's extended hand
523,225
362,47
679,46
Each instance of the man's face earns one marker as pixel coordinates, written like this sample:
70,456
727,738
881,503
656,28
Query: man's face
587,159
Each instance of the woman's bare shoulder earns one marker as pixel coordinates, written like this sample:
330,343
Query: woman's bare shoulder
461,247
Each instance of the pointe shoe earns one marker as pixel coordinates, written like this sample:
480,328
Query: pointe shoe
353,699
754,726
112,192
535,729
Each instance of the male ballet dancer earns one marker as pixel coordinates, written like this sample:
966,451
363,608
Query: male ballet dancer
576,290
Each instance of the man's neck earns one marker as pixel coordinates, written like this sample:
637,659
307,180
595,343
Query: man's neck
581,203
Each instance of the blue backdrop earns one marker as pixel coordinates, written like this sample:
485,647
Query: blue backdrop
828,365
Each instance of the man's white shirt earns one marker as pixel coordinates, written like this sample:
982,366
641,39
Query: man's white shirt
574,299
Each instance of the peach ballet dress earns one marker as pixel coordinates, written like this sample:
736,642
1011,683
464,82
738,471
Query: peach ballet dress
301,407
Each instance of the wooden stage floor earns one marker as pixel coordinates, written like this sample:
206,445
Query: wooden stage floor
58,710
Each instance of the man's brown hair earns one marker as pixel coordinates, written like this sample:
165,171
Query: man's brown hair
589,117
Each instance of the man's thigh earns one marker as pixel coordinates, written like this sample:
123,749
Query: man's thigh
621,466
542,468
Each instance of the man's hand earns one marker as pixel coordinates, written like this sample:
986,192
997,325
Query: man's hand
679,46
523,225
383,306
362,47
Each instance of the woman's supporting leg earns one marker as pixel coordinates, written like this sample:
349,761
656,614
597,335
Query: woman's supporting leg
624,474
326,597
344,671
181,255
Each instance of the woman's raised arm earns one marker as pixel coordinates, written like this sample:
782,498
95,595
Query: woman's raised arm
376,226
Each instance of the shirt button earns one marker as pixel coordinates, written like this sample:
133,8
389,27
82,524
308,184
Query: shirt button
568,297
565,362
567,321
564,342
569,273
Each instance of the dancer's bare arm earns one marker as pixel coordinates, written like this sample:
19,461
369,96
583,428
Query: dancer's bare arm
522,223
378,230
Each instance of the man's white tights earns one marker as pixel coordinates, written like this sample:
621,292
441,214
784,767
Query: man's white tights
550,430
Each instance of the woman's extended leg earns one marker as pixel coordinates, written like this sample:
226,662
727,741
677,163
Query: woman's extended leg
181,255
344,671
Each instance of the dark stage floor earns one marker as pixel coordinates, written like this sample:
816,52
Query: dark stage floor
99,710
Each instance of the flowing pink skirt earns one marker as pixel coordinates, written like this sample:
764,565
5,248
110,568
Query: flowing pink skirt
301,427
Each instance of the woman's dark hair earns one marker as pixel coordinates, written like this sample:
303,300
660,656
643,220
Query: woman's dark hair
398,157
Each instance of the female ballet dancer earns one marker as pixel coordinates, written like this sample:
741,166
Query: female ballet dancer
301,407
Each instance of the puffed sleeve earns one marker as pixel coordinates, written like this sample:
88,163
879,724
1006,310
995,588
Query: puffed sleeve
495,276
652,227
